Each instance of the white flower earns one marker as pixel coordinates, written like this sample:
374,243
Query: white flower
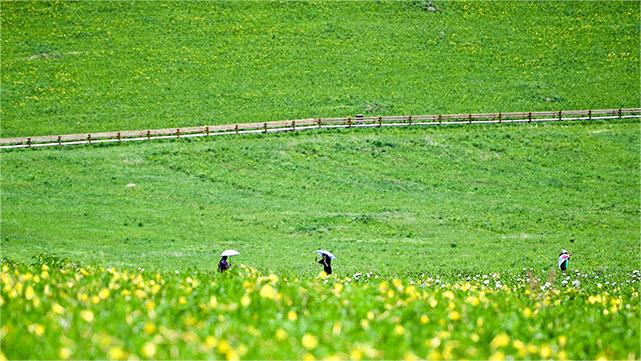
576,283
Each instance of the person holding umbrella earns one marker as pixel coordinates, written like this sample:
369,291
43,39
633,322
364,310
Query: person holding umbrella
326,260
223,265
564,259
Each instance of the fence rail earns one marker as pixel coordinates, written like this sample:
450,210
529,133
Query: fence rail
315,123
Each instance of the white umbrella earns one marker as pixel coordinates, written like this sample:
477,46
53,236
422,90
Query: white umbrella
230,252
321,252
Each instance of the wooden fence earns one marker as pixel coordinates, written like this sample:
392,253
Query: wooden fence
320,123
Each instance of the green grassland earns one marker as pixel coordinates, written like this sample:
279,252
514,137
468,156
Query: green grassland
93,66
391,201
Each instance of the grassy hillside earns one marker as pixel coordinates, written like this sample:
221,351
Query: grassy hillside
456,199
92,66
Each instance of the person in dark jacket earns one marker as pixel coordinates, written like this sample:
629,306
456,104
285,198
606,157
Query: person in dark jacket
326,261
223,265
564,260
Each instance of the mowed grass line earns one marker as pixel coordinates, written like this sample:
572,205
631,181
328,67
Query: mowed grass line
74,67
391,201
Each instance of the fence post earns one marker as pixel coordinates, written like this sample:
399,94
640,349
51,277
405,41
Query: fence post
118,136
349,122
29,142
620,113
560,111
440,119
319,122
207,129
59,140
529,117
293,125
236,128
590,114
265,127
469,118
380,121
410,119
177,132
500,117
148,134
89,138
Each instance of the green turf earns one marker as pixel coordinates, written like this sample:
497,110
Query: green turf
492,198
94,66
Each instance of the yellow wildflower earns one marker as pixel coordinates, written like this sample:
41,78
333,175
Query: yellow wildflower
57,309
520,347
182,300
497,356
370,315
424,319
245,300
148,350
454,315
563,340
292,316
232,355
601,357
399,330
308,356
29,293
140,293
472,300
281,334
223,346
356,355
149,328
398,284
210,342
545,351
269,292
117,353
531,348
527,312
86,315
64,353
103,293
309,341
501,340
36,329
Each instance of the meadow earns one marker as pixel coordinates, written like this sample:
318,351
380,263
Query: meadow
446,237
472,199
70,67
54,309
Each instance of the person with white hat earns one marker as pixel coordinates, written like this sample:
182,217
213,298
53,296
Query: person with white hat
564,259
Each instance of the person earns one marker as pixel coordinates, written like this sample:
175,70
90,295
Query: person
223,265
564,258
326,261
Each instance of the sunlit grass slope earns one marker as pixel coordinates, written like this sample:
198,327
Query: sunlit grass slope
475,198
91,66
